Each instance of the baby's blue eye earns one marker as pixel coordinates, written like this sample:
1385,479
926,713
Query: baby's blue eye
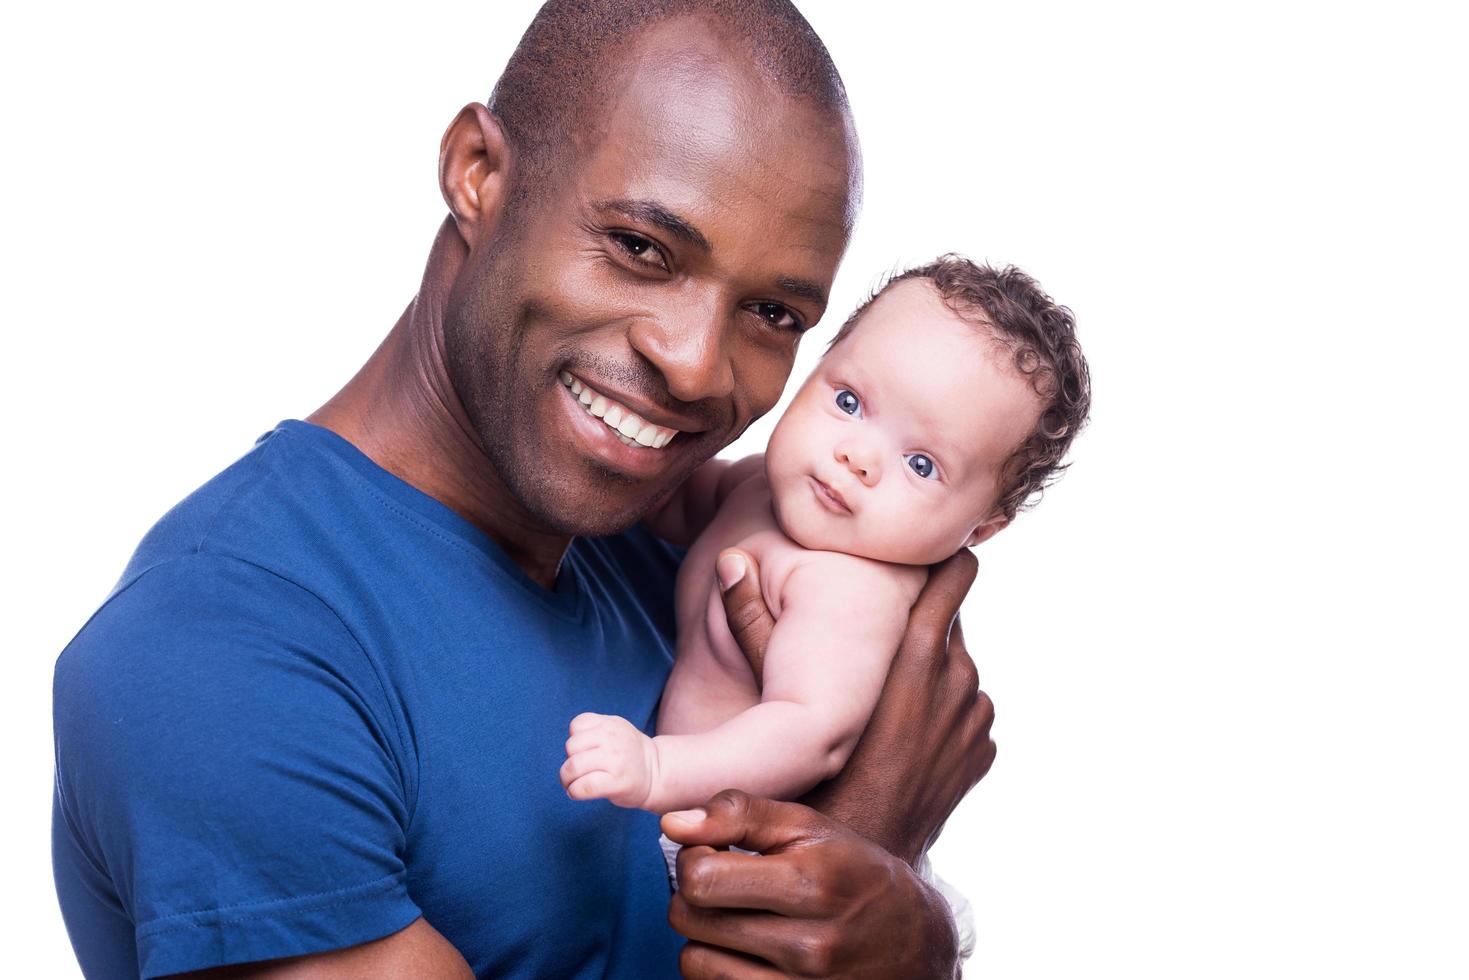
848,401
921,465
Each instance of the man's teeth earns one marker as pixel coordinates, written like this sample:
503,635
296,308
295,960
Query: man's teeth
624,423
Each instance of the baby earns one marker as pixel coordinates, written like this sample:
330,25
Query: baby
943,404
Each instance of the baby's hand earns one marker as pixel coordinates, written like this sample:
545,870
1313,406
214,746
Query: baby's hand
606,757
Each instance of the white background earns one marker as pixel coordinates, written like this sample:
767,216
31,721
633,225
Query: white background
1228,651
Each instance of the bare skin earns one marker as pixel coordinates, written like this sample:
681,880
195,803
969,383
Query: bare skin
699,338
824,671
812,850
890,458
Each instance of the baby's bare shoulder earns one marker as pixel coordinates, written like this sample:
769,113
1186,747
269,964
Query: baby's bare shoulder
854,578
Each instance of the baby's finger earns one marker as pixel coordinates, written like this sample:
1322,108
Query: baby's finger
583,741
593,785
585,721
579,765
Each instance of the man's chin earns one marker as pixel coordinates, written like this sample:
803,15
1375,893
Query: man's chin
595,508
587,525
576,494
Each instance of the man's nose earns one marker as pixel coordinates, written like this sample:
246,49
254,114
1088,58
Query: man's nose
688,348
862,459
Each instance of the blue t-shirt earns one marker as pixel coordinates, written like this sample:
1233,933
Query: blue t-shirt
320,704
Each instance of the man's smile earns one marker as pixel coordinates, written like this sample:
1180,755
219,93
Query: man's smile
618,433
629,426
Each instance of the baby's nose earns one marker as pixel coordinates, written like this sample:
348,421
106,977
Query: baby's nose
861,461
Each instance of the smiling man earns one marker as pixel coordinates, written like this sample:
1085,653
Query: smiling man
316,729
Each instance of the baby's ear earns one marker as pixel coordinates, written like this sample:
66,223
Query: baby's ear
988,529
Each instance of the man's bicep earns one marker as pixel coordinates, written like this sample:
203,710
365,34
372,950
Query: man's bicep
226,755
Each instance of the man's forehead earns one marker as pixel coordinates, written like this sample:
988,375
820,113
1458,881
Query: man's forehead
686,96
728,167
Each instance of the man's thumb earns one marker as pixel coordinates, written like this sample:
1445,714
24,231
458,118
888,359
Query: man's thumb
736,819
745,611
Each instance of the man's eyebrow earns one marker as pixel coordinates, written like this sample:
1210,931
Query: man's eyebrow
804,288
654,213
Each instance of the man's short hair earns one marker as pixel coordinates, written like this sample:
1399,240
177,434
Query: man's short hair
557,76
1040,338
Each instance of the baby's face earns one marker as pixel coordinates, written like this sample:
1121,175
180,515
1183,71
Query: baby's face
892,449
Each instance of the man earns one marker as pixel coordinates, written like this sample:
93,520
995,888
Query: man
315,731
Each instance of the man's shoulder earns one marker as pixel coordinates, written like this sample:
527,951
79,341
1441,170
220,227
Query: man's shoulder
194,613
293,505
226,509
219,563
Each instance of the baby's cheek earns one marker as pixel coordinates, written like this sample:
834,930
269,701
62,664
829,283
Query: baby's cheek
898,528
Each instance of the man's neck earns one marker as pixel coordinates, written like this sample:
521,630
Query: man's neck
402,412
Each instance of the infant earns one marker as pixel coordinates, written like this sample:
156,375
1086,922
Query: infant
943,404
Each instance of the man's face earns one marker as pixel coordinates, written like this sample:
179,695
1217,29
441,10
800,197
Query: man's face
637,317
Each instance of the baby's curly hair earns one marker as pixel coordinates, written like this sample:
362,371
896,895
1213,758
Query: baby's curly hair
1040,337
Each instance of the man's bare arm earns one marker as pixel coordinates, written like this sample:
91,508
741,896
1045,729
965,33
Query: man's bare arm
417,952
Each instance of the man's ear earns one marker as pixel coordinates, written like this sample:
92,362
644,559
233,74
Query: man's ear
991,526
474,171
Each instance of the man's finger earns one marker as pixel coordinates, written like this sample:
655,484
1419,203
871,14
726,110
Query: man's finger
986,759
744,607
984,712
948,583
733,818
774,937
963,671
699,961
938,605
729,880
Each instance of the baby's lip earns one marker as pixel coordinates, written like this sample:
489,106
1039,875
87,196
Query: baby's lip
828,495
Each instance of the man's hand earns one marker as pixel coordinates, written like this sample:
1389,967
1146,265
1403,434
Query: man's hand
608,758
932,718
818,900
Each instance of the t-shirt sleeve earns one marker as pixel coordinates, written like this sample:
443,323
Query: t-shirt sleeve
230,762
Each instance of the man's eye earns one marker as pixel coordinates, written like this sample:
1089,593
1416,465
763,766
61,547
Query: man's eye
922,465
779,316
641,250
848,402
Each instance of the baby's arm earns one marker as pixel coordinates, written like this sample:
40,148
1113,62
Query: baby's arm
840,624
683,516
